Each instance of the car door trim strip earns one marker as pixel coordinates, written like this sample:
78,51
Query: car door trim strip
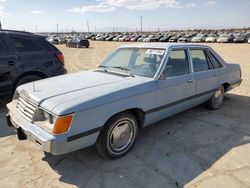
83,134
178,102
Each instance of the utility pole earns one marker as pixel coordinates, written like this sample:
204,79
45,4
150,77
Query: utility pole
141,23
95,28
88,26
0,25
57,27
36,28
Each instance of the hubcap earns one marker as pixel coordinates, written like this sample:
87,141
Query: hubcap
122,135
218,97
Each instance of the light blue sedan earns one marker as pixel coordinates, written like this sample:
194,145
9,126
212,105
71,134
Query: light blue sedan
137,85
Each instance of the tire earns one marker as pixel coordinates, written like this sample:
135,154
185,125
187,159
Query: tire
124,127
216,101
27,79
87,46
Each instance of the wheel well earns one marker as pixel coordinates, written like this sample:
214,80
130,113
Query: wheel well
226,86
137,112
32,73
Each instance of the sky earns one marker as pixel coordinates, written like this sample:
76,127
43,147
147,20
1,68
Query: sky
122,15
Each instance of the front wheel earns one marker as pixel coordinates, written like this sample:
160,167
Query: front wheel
216,100
117,136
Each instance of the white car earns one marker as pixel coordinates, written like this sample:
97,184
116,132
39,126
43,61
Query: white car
212,38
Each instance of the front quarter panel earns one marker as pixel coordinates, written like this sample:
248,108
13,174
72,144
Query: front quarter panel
94,118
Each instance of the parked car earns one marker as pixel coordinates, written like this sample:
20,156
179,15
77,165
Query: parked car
149,38
135,86
240,38
26,57
117,38
165,38
225,38
135,38
122,39
186,38
78,43
199,38
175,38
110,38
212,38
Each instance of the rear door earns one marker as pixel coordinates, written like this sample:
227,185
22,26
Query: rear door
29,52
8,66
206,77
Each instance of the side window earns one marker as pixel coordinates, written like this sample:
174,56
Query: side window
200,60
46,45
4,47
177,64
25,45
215,62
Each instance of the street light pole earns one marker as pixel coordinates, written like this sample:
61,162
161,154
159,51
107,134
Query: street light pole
57,27
141,24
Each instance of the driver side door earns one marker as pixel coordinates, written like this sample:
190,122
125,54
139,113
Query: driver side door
176,87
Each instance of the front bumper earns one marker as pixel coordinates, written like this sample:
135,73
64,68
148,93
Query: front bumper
54,144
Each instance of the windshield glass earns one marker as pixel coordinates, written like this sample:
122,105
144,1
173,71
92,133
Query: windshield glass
136,61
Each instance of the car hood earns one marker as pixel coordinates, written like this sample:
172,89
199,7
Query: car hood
82,88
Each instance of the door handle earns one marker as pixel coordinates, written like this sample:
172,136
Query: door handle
11,63
190,80
216,74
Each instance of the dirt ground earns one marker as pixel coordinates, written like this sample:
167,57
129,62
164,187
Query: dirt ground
196,148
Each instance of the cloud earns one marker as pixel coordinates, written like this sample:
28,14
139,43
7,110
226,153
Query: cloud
211,3
2,1
101,7
110,5
36,12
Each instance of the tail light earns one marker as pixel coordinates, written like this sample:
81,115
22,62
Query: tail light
60,57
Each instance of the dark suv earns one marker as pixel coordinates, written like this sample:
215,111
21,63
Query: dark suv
26,57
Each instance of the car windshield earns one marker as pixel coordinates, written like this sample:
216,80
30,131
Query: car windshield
135,61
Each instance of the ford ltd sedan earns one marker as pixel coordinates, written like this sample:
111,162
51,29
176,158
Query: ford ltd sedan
137,85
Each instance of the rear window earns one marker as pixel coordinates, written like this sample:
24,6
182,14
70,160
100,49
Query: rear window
46,45
4,48
215,61
25,45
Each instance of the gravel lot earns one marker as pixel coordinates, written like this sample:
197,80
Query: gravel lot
196,148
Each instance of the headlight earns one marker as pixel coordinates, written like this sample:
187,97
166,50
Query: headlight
51,123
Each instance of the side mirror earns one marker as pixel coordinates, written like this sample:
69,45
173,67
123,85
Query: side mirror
162,77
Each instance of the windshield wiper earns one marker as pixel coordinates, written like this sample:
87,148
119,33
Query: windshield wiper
104,67
125,69
122,68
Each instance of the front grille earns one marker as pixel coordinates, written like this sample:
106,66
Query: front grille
26,108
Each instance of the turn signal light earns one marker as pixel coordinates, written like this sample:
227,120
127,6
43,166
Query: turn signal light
62,124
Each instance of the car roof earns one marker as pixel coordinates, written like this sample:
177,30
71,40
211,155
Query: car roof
24,33
162,45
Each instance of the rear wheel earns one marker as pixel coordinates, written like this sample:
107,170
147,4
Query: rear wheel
216,100
118,136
